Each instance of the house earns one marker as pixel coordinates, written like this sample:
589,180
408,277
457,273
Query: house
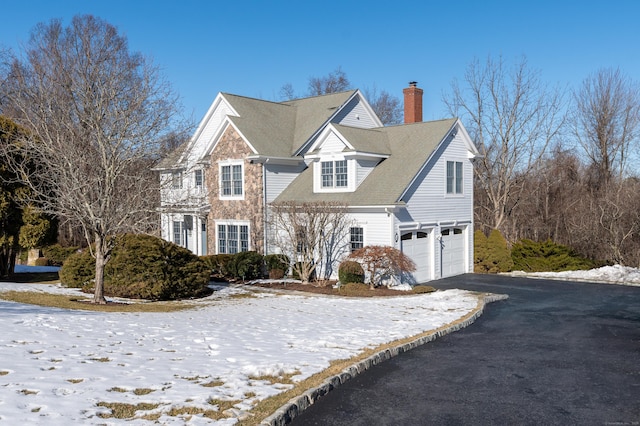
409,186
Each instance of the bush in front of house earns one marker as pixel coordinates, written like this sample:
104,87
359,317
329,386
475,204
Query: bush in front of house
492,255
246,265
57,254
218,264
350,271
78,270
532,256
142,267
277,265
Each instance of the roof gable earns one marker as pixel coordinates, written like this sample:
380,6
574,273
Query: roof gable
410,147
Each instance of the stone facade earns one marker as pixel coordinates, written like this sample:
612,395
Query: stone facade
251,208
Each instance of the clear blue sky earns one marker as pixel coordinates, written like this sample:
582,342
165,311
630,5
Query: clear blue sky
253,48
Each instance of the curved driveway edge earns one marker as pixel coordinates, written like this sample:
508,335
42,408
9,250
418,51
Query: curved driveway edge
285,414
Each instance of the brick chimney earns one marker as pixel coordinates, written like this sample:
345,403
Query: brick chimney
412,103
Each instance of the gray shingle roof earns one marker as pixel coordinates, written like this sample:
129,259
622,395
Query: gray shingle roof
410,147
279,129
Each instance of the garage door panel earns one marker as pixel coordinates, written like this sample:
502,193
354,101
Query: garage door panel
453,251
416,246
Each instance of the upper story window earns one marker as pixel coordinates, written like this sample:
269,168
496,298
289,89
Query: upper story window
454,177
199,179
231,181
334,174
176,180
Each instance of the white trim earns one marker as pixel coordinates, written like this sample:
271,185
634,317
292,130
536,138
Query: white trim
226,223
230,163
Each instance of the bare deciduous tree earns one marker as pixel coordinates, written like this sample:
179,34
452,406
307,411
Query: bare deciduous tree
387,107
381,262
605,122
97,114
335,82
512,118
312,235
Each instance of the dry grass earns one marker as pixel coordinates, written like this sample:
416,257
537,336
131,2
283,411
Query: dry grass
121,410
82,303
75,381
212,384
3,373
285,379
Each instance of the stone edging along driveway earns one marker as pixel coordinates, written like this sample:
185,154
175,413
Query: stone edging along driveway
297,405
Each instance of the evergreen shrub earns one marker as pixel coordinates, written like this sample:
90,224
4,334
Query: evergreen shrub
492,255
142,267
350,271
277,265
218,264
247,265
41,261
532,256
57,254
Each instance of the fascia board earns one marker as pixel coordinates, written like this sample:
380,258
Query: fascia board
329,129
203,124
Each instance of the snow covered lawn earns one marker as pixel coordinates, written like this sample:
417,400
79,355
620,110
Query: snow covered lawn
57,366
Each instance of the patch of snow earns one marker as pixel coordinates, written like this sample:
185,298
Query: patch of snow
56,365
616,274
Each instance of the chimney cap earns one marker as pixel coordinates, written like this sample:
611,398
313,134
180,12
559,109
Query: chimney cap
413,83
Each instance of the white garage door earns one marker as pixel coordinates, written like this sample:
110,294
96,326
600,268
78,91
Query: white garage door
415,244
453,251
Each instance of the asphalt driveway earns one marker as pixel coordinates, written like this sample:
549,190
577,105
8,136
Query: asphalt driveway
554,353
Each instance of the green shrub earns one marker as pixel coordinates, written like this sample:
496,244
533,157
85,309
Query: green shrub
277,262
142,267
218,264
247,265
350,271
78,270
491,254
57,254
531,256
41,261
420,289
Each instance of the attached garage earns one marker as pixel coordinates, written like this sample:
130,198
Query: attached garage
417,245
453,249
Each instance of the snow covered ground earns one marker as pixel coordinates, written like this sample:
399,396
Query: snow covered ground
57,365
615,274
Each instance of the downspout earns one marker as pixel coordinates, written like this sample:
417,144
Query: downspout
264,208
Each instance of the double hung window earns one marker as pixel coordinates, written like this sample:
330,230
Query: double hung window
233,238
357,238
334,174
231,180
454,177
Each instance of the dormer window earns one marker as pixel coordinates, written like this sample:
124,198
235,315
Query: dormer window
176,180
334,174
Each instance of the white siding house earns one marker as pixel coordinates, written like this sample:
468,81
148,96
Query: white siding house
409,186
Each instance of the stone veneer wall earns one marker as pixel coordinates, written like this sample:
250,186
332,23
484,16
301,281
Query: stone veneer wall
232,147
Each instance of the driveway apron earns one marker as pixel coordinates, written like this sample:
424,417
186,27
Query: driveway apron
554,353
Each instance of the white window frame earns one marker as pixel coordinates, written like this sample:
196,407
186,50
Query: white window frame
177,229
355,244
454,182
176,180
229,237
347,177
198,182
236,186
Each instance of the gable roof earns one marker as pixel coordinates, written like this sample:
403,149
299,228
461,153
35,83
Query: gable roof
410,146
280,129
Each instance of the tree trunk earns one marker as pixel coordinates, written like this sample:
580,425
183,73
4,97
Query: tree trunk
98,295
